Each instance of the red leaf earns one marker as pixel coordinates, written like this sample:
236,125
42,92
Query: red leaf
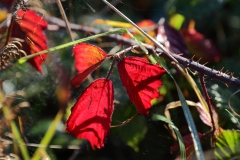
201,46
141,80
91,115
88,57
30,28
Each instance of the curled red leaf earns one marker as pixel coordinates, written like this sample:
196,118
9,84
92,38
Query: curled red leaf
91,115
141,80
30,27
88,57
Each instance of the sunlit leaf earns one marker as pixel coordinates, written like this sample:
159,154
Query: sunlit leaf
141,80
88,57
91,115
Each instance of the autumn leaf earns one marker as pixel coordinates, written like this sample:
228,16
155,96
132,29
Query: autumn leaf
87,57
141,80
200,46
91,115
30,27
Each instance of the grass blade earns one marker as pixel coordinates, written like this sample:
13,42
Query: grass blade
157,117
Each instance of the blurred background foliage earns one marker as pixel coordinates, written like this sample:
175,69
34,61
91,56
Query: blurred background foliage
141,138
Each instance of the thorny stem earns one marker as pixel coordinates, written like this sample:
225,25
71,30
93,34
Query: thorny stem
208,100
194,65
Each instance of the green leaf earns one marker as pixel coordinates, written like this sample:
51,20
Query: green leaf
227,144
130,133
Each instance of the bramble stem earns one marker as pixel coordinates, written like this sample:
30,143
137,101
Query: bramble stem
203,85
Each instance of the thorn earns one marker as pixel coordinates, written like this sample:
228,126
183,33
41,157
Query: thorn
226,84
221,69
231,74
181,54
226,72
205,63
199,59
192,57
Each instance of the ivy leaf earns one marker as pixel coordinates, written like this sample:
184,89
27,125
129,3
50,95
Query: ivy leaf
141,80
87,57
91,115
30,27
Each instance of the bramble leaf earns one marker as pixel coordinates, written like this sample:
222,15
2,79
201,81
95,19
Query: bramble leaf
91,115
88,57
200,46
30,28
141,80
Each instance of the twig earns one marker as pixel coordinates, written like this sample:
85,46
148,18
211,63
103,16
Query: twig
106,9
65,18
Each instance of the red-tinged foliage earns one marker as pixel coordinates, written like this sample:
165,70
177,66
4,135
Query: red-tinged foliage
200,46
30,27
172,40
141,80
87,57
91,115
80,77
188,143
